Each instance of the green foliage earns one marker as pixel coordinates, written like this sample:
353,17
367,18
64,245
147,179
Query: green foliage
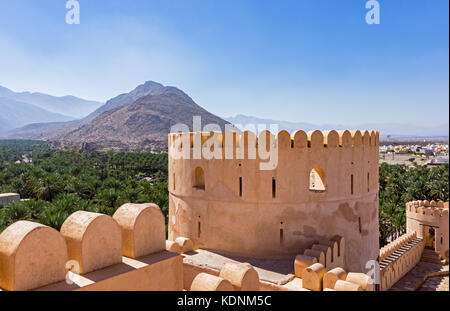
13,150
59,183
399,185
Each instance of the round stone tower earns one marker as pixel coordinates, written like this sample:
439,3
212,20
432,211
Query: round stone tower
275,196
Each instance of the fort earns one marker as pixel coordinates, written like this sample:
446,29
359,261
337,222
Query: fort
325,184
310,223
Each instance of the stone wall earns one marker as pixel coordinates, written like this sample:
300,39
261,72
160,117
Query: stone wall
241,209
8,198
92,252
398,258
421,214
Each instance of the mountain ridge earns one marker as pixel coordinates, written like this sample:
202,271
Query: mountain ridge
16,114
144,123
69,105
385,128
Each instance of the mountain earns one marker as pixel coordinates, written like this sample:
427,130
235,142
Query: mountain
391,129
16,114
42,131
142,124
55,130
148,88
67,105
241,121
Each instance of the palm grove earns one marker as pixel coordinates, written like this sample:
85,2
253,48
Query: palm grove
59,183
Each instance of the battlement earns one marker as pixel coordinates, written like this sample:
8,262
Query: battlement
308,185
283,140
427,210
91,252
398,258
430,220
395,245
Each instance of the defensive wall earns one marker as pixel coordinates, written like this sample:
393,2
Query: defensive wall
398,258
129,252
425,215
91,252
313,186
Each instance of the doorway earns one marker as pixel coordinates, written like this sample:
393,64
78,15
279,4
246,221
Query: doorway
430,237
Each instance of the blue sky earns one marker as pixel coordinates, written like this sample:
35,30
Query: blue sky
302,60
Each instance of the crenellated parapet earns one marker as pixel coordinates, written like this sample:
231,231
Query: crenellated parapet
93,240
275,194
92,252
31,256
329,253
430,221
395,245
283,140
301,167
398,258
348,156
427,211
143,229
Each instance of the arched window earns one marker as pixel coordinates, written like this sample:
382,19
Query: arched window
317,179
199,178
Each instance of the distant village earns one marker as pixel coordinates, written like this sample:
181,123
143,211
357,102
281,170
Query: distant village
432,154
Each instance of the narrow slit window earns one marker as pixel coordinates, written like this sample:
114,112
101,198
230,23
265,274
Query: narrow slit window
240,186
359,224
281,236
442,240
274,188
368,182
351,184
199,227
173,177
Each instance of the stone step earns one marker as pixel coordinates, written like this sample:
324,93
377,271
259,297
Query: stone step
398,253
430,256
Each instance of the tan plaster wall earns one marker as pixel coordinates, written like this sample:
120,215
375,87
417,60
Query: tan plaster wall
165,275
424,213
31,255
399,267
143,229
161,271
251,224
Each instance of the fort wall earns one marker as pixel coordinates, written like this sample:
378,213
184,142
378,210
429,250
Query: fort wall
92,252
398,258
323,184
423,215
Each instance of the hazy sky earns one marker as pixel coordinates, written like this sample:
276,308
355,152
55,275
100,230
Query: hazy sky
312,61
